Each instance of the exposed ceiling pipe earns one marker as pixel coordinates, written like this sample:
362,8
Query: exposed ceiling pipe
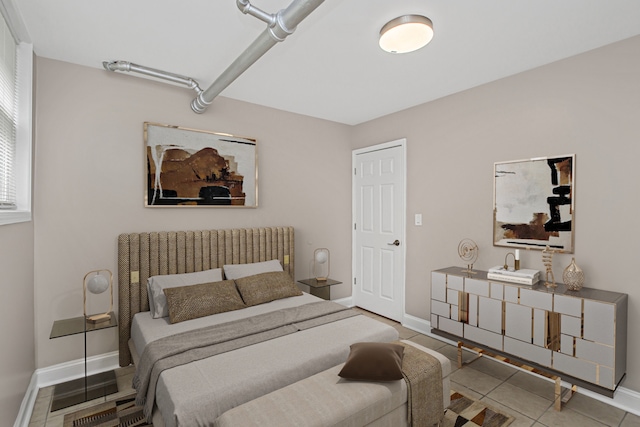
175,78
280,26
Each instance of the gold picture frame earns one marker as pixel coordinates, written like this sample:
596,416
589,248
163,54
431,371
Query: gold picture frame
196,168
534,203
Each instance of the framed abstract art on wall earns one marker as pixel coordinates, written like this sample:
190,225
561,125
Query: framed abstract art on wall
188,167
534,203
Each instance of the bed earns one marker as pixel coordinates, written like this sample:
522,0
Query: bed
199,392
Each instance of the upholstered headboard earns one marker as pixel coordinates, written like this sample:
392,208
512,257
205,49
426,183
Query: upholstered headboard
142,255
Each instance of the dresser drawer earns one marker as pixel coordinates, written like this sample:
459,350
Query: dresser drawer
476,287
455,282
490,314
517,322
439,286
567,305
450,326
594,352
484,337
533,353
536,299
575,367
599,322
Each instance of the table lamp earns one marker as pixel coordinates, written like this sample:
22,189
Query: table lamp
97,284
321,257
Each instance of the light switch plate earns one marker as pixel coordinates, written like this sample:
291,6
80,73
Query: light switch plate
135,277
418,220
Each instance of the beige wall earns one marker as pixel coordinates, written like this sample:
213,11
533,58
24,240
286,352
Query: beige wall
17,360
588,105
89,179
89,184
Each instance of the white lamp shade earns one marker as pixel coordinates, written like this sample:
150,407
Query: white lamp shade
321,264
406,34
321,257
98,284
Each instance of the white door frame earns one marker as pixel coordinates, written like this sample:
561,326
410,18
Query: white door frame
403,144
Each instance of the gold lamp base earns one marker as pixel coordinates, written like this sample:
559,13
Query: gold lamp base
99,318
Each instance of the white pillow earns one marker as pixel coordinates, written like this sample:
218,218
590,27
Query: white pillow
238,271
156,284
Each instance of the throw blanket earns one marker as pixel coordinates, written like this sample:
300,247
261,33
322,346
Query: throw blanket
198,344
423,375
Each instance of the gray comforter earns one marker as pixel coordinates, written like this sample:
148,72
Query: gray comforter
197,393
181,349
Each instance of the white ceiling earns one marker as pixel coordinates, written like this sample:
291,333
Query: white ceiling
331,67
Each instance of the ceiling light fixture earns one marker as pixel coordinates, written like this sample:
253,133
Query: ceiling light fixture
406,34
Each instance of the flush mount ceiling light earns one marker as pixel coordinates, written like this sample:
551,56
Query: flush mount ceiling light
406,33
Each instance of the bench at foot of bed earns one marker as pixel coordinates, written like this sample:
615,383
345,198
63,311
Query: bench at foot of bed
325,399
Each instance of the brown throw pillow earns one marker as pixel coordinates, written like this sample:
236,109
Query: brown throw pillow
191,302
265,287
374,361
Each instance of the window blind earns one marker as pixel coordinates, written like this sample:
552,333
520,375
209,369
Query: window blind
8,117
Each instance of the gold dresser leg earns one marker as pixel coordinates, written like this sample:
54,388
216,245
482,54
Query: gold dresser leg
561,396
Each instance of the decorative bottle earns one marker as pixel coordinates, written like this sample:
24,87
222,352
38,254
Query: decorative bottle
573,276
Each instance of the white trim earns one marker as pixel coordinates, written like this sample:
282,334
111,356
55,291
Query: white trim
402,142
13,217
28,402
347,302
626,399
60,373
16,23
75,369
417,324
24,142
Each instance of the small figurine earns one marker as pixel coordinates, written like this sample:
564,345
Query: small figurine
547,260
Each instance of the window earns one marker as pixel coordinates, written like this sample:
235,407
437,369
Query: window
16,70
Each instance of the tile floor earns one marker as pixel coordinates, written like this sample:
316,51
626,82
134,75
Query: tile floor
527,397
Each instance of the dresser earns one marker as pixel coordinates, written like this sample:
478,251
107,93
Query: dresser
580,336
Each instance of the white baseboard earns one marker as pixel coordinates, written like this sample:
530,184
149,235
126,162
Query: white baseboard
347,302
63,372
28,401
625,399
417,324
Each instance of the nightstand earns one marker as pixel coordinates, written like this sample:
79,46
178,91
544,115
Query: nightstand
88,387
321,289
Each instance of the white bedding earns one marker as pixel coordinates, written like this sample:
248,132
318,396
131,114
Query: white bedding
197,393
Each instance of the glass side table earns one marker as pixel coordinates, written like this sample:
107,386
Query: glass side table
321,289
88,387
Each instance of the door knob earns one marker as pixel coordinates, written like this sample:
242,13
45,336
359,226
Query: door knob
395,243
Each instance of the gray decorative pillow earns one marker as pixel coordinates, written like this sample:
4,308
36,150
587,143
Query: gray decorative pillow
374,361
205,299
265,287
156,284
236,271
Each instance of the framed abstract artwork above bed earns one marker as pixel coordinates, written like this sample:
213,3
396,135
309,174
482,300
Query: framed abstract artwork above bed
534,203
189,167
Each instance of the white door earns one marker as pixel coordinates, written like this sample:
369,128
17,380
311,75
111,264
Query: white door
379,224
